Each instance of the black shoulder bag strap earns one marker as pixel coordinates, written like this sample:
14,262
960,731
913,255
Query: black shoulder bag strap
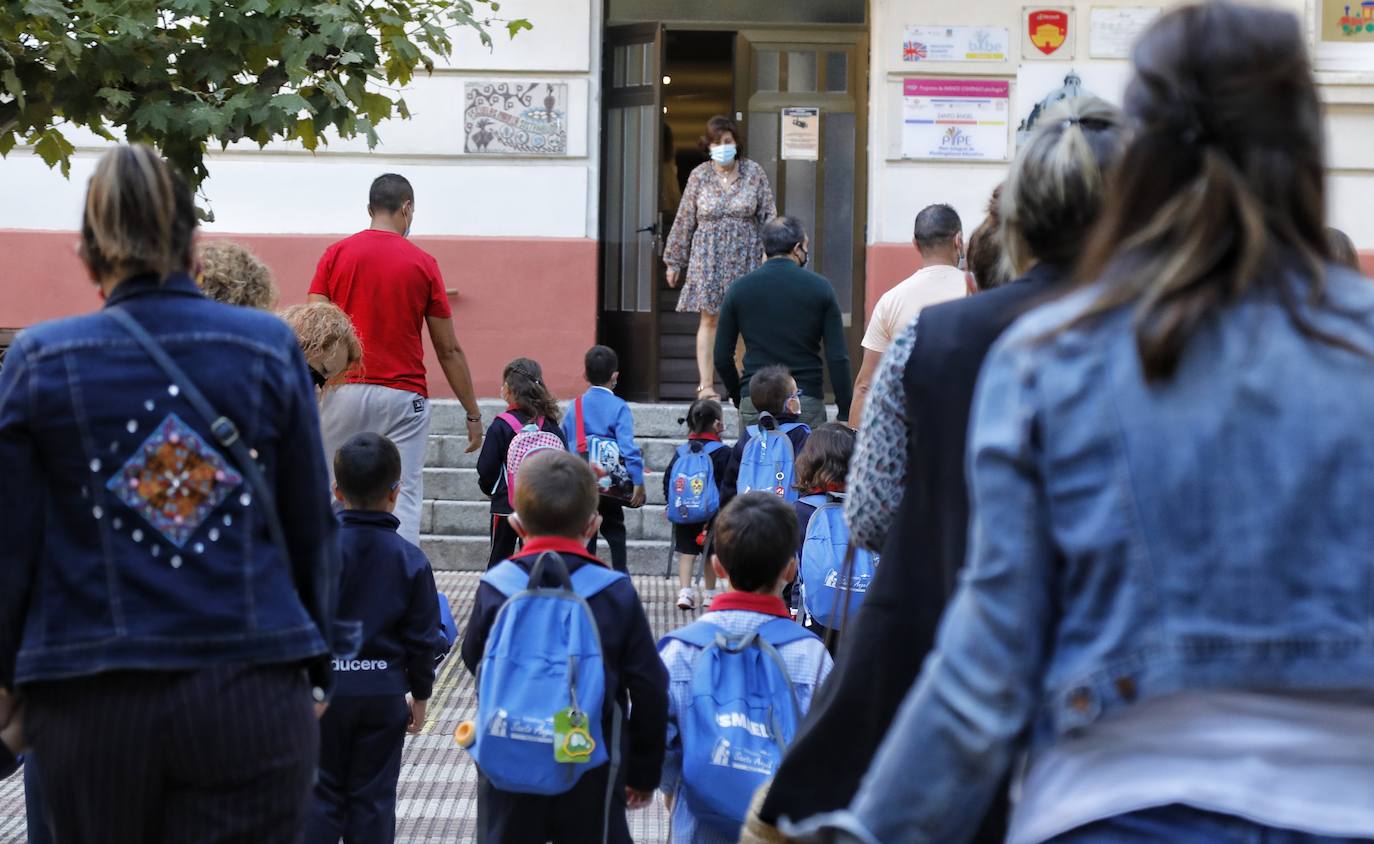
225,432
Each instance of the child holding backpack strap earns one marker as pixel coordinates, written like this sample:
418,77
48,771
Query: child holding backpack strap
692,489
821,592
725,739
764,458
569,728
601,428
530,423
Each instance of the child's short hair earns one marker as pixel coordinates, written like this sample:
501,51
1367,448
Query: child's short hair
367,468
755,536
600,364
555,494
823,463
702,416
770,388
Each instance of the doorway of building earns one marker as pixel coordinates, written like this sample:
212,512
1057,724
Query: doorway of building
661,86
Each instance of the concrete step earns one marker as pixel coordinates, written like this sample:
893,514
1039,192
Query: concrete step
651,420
447,451
461,485
473,518
469,553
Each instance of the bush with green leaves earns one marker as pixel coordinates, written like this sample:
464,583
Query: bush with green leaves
180,74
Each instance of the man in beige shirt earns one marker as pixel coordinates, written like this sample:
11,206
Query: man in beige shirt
939,238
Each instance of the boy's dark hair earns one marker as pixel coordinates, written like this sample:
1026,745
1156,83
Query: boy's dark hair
755,536
525,379
702,415
600,364
389,192
936,227
823,463
367,468
555,494
770,388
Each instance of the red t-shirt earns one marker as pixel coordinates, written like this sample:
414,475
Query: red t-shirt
387,286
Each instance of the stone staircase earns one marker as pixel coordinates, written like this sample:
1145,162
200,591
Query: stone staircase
455,521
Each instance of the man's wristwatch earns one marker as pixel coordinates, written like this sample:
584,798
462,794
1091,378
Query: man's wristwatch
477,418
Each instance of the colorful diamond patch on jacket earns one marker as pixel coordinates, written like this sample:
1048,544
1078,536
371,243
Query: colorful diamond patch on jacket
175,480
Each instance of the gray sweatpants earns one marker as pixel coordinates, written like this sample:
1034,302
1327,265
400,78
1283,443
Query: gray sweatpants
401,417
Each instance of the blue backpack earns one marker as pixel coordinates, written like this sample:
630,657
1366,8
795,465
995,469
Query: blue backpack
826,588
693,496
543,656
769,462
742,715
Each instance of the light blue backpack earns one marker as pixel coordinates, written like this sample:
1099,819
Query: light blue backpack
769,461
826,586
543,655
743,714
693,496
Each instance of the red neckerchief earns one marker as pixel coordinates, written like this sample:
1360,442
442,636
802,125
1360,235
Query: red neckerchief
558,544
750,602
706,436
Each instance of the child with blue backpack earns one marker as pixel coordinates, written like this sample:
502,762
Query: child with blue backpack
571,697
601,428
692,491
529,422
387,585
833,579
726,737
765,456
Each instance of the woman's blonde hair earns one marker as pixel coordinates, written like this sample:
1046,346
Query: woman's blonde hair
1055,190
320,327
231,274
139,217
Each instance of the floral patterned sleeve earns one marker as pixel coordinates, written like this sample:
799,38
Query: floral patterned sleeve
768,206
677,251
877,474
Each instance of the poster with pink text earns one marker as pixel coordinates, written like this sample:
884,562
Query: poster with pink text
954,118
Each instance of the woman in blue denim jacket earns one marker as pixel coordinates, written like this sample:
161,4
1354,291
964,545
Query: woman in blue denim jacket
168,656
1167,603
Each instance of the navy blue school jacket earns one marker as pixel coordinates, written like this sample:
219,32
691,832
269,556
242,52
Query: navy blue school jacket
633,670
491,462
798,436
388,585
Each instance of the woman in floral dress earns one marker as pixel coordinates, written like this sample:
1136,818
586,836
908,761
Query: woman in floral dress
715,237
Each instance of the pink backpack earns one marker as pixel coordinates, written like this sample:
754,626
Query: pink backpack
528,439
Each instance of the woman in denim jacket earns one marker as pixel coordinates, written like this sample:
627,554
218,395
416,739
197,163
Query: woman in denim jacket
169,658
1167,603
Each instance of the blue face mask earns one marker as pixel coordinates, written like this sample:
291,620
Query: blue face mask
723,154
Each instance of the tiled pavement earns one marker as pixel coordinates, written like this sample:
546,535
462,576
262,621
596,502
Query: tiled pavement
437,800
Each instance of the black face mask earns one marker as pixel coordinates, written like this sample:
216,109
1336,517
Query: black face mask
805,259
318,377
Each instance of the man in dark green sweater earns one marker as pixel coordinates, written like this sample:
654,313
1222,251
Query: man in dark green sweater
784,313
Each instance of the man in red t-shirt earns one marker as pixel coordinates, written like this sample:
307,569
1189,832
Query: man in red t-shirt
389,287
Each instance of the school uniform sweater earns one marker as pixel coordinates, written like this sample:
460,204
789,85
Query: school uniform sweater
388,585
798,435
491,462
606,415
633,670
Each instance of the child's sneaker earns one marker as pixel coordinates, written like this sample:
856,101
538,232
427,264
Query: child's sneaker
686,600
707,596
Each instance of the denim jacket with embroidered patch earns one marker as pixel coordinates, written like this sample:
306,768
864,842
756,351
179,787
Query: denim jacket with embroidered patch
128,537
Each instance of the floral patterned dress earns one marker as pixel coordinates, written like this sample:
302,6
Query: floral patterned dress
716,233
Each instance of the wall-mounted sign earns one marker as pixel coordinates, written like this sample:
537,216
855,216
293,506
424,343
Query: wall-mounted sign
1047,33
801,134
1347,22
955,118
516,118
1114,29
955,44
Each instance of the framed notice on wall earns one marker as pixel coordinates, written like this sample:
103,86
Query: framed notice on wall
801,134
953,118
1113,30
955,44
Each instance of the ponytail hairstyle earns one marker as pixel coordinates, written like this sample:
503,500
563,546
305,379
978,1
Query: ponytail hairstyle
1220,191
524,378
702,415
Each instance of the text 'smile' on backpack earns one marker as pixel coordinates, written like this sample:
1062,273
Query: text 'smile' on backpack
743,714
693,496
529,438
768,463
543,657
826,585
